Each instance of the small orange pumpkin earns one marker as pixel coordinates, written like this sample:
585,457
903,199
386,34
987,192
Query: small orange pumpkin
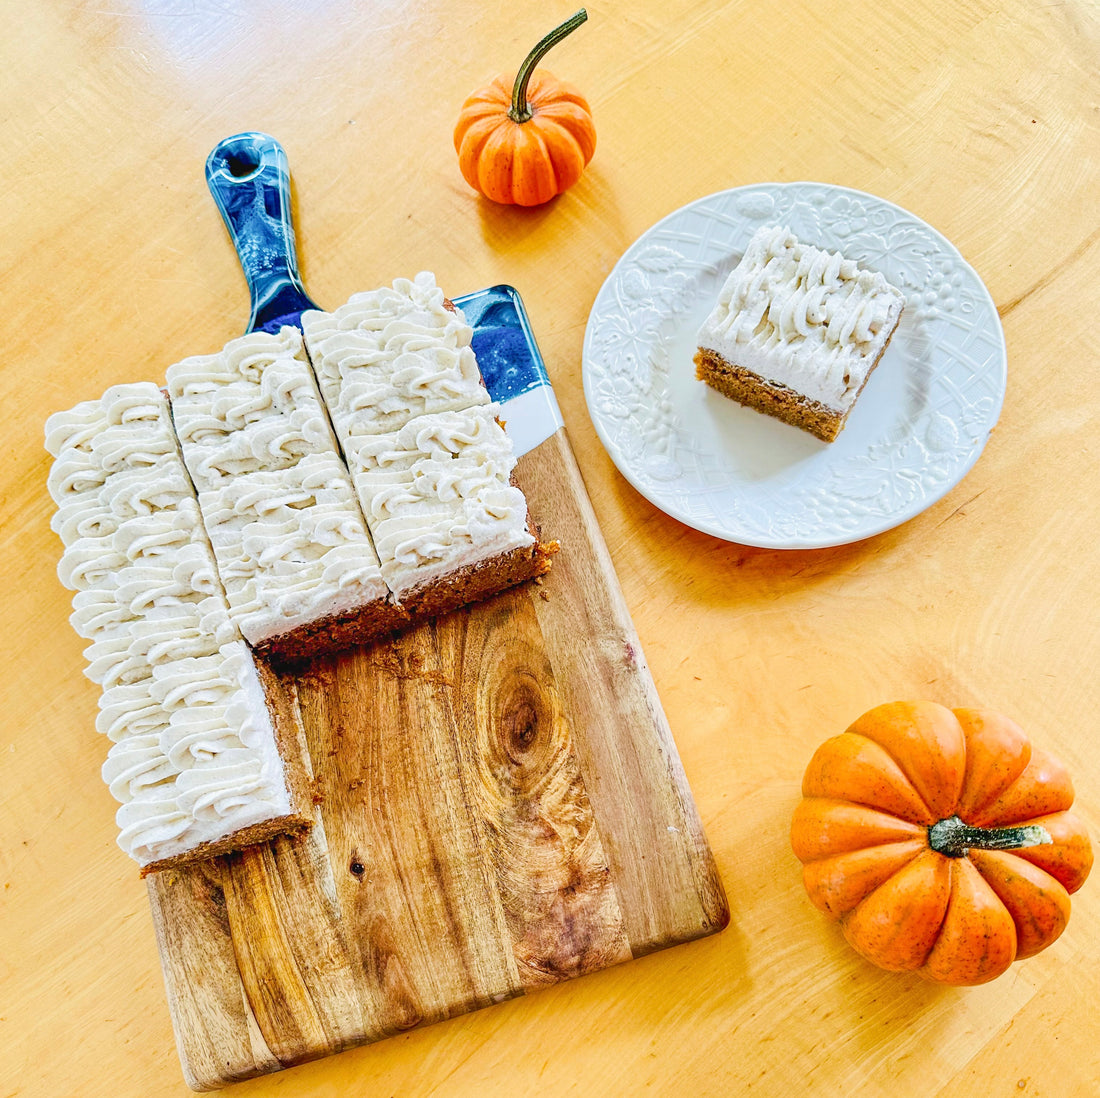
941,840
522,141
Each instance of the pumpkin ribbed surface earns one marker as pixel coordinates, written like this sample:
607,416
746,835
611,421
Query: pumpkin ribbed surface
525,163
941,840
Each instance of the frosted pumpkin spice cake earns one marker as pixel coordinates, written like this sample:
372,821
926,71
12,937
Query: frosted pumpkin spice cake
448,524
429,459
796,332
299,567
198,760
294,535
210,534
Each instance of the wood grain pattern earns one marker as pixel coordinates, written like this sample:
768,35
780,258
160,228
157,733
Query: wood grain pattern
458,858
660,860
548,861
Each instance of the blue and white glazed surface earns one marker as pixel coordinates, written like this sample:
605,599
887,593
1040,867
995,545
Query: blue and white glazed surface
511,365
249,177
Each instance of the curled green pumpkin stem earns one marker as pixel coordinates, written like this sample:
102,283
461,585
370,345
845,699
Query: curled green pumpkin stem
954,838
520,111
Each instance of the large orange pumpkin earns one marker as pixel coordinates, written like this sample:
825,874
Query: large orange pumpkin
941,840
522,141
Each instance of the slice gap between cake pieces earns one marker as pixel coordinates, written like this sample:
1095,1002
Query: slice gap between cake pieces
796,332
269,428
297,561
396,367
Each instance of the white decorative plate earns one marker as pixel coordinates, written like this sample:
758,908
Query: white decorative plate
918,427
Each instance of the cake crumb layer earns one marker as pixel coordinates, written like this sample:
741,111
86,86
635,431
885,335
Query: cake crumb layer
765,396
479,581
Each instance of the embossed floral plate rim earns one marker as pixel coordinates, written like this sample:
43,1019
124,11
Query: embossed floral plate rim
919,426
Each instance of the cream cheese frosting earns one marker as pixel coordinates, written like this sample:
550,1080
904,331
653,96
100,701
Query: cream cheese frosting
292,546
286,528
430,462
253,405
391,354
195,759
802,317
437,495
233,513
194,756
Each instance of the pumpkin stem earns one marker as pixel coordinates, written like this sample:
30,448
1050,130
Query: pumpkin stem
520,111
954,838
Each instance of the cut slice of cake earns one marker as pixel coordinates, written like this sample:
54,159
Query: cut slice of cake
391,354
199,760
430,461
299,569
796,332
449,526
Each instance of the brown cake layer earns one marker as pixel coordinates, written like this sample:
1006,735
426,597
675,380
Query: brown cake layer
771,398
478,581
235,840
765,396
381,619
385,618
290,741
317,638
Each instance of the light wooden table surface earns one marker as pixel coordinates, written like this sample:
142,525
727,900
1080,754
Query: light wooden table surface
983,118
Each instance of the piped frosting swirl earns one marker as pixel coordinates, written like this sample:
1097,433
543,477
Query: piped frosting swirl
802,317
290,540
437,495
430,463
391,354
189,766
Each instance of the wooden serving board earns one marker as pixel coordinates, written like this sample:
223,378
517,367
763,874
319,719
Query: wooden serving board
500,806
499,800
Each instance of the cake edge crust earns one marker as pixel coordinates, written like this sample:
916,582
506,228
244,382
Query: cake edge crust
479,581
290,742
334,632
475,582
777,400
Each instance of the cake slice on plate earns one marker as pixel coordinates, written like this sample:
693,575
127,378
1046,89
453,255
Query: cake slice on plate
796,332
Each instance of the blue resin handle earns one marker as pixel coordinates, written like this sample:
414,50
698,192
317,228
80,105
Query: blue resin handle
249,176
